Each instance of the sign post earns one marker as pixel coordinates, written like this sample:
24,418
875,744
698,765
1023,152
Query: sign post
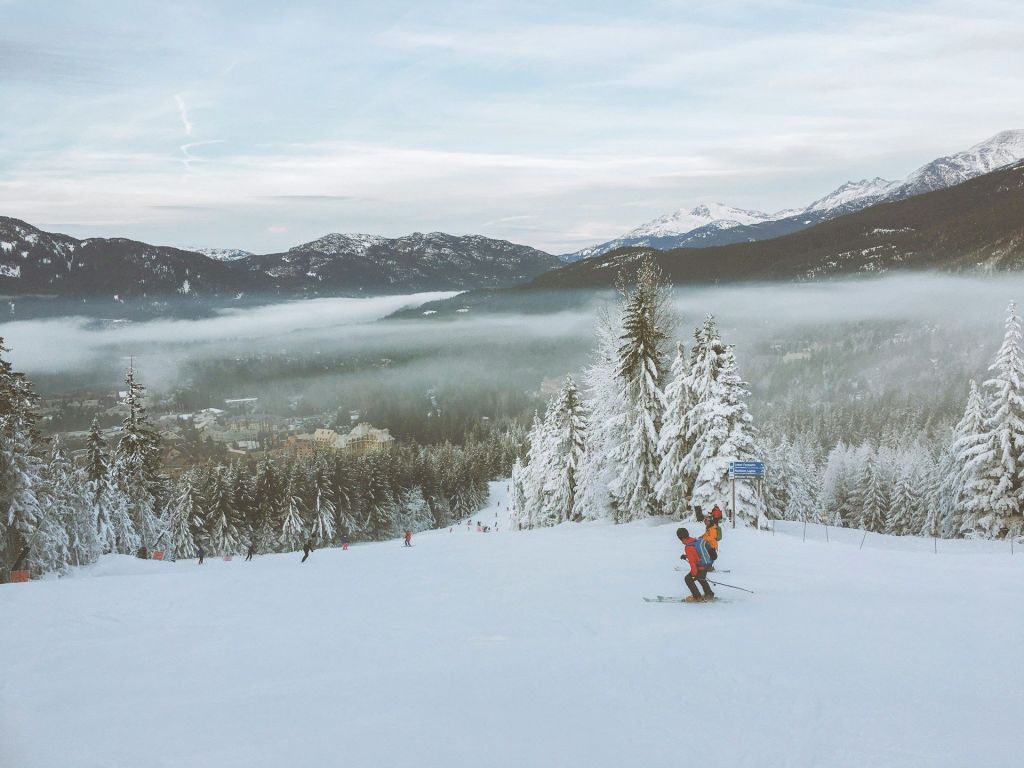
744,470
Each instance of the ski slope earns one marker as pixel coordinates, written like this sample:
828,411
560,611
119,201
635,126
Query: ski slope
521,649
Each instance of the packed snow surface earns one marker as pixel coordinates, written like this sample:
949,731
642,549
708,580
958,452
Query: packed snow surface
524,649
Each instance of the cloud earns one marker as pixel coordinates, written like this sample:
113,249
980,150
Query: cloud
183,113
588,118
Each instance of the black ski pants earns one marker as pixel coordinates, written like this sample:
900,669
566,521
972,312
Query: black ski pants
703,579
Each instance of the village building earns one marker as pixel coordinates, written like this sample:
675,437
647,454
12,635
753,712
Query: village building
363,438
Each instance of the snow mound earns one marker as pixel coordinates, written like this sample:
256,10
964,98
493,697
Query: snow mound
528,648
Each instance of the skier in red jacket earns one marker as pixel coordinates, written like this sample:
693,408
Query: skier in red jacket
698,571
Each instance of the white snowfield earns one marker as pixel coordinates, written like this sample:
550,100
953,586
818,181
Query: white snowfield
522,649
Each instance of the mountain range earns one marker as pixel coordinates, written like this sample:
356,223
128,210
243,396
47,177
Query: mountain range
720,224
945,215
34,262
974,227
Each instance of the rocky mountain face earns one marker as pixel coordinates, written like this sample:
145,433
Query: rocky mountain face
37,263
33,262
723,229
420,261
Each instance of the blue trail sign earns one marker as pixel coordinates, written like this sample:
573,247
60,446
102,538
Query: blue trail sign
753,469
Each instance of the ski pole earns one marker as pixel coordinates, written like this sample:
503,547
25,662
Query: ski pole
720,584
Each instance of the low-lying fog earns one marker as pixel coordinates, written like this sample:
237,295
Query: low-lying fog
916,337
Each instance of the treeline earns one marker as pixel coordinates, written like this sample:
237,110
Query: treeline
651,434
57,514
328,500
967,480
644,438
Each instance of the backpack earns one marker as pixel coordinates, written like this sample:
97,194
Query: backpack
703,553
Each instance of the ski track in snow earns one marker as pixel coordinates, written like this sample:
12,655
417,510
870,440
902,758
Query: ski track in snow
520,649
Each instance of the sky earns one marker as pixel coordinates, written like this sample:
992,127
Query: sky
261,125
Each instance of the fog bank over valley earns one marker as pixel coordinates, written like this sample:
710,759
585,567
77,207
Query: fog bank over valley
910,340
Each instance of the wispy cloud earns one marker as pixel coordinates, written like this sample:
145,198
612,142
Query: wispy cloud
183,113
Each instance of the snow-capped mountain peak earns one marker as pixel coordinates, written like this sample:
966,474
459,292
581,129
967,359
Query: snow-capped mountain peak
719,224
853,192
337,242
222,254
672,225
1002,149
686,220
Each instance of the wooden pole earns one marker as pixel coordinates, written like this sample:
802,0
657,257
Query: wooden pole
734,502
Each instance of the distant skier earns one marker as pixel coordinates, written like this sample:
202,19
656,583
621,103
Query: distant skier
711,537
251,551
692,553
408,538
306,549
713,531
344,543
202,554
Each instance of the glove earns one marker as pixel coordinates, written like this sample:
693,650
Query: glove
682,557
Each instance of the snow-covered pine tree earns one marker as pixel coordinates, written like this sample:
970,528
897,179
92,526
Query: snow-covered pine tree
565,429
996,511
51,552
519,515
605,404
323,507
804,493
186,522
98,479
960,484
268,490
70,506
381,515
20,469
836,482
243,501
416,514
640,372
346,498
117,508
875,493
294,532
929,516
674,482
533,473
222,520
139,465
722,432
706,360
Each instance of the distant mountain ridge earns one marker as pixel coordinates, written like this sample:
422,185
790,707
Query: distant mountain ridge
1003,149
38,263
976,227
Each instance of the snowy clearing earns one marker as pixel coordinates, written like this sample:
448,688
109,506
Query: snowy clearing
521,649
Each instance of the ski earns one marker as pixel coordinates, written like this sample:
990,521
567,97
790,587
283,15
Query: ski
673,599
